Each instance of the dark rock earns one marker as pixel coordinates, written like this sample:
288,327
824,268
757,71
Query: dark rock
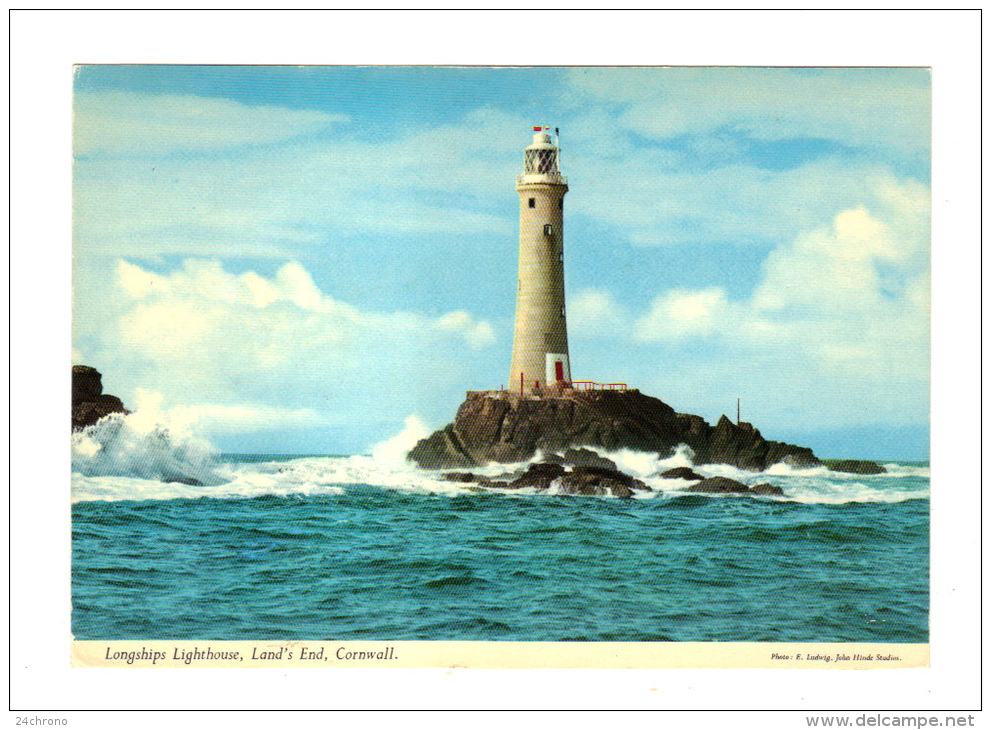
582,480
719,485
593,480
722,485
681,472
465,477
851,466
590,487
768,490
538,475
800,457
182,479
89,402
586,457
503,427
441,449
738,444
86,383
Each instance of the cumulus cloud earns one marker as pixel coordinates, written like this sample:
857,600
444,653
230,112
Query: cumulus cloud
839,318
595,312
267,321
238,350
679,314
477,333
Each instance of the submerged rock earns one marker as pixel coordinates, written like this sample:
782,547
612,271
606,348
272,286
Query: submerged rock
580,481
89,402
767,490
681,472
538,476
505,427
853,466
719,485
465,477
593,480
181,479
722,485
581,457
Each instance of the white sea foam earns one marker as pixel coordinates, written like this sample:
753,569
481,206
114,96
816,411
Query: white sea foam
394,450
906,470
133,446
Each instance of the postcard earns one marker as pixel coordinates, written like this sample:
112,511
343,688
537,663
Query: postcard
500,367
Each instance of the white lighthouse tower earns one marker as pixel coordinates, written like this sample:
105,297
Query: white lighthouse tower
540,336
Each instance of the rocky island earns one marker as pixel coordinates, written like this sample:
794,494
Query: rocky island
505,427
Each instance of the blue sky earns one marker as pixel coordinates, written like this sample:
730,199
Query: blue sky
301,259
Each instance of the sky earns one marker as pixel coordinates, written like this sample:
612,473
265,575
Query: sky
302,259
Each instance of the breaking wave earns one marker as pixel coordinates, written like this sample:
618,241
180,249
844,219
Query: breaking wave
121,445
125,458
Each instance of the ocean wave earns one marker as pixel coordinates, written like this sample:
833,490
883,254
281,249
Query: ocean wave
334,476
130,445
121,458
906,470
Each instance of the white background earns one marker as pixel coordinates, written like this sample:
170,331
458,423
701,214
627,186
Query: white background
45,45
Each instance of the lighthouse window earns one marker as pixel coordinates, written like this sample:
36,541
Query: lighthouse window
560,255
548,230
533,202
546,161
562,310
560,203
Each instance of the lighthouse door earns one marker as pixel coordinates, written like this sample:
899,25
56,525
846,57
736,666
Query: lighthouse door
556,369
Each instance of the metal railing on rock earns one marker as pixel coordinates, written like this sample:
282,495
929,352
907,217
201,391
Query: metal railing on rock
591,385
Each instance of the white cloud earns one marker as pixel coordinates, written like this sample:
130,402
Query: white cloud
150,413
266,201
243,350
267,322
595,312
876,107
131,122
477,333
653,205
837,328
678,314
271,202
159,176
244,417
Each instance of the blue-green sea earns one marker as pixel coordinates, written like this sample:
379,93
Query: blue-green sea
370,547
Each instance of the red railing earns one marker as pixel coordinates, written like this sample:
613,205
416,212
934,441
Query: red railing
590,385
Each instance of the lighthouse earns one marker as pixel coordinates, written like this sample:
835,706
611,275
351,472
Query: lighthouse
540,335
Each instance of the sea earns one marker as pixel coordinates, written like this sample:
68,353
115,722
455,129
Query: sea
174,541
